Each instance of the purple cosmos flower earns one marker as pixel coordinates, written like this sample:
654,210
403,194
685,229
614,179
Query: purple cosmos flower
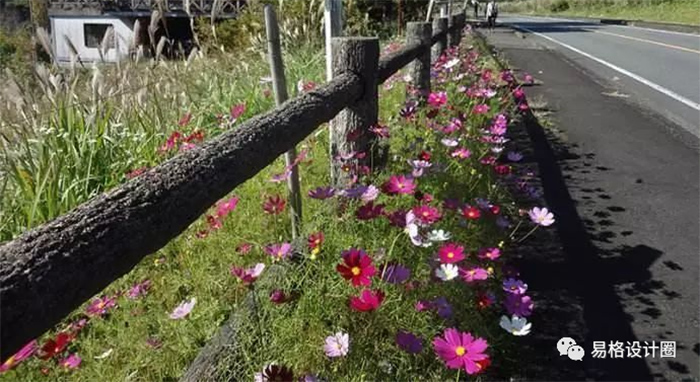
408,111
322,193
182,310
515,156
337,345
277,178
353,193
519,305
422,305
371,193
419,167
279,251
396,273
25,352
482,203
541,216
100,306
444,309
514,286
71,362
409,342
248,275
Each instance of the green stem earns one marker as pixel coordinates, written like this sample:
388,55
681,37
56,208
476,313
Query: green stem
528,234
391,251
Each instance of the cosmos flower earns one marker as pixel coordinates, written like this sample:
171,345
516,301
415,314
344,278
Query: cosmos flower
70,362
437,100
248,275
517,326
367,301
54,347
315,240
408,342
514,156
519,304
399,184
451,253
184,309
322,193
100,306
224,207
369,211
461,350
337,345
279,251
447,272
461,153
514,286
489,253
471,275
413,231
23,353
274,205
419,167
438,235
541,216
426,215
471,213
395,273
274,372
481,109
449,142
356,267
139,289
277,296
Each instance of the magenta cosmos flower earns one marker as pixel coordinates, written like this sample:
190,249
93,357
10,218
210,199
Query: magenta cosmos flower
100,306
248,275
337,345
356,267
437,99
226,206
426,215
367,301
461,153
25,352
369,211
279,251
399,184
322,193
139,289
409,342
451,253
461,350
481,109
541,216
490,253
471,275
182,310
274,205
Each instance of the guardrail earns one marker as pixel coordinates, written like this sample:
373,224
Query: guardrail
51,270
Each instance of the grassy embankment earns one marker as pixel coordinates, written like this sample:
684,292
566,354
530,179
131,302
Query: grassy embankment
668,11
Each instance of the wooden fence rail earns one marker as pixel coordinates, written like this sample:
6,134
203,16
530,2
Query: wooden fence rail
49,271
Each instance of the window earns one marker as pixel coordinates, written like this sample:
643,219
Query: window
94,34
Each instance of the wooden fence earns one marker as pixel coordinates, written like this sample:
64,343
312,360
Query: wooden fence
49,271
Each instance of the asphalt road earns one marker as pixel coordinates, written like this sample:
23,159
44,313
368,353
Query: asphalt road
658,69
623,181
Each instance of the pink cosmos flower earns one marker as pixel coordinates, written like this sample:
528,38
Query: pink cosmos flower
71,362
315,240
489,253
182,310
139,289
100,306
237,111
426,215
474,274
248,275
438,99
303,87
451,253
481,109
337,345
277,296
274,205
224,207
277,178
279,251
541,216
419,167
527,78
369,194
518,93
368,300
471,212
25,352
214,222
399,185
244,248
461,153
380,131
461,350
356,267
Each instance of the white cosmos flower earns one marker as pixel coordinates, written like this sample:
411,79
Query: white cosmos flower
517,326
439,235
447,272
451,63
413,231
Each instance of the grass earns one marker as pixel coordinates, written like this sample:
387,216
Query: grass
72,141
668,11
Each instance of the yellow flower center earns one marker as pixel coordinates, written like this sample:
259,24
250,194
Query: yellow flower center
460,350
355,271
425,213
450,255
400,185
10,361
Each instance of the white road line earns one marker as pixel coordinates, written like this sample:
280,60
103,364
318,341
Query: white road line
618,69
613,25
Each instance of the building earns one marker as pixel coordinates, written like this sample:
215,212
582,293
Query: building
105,30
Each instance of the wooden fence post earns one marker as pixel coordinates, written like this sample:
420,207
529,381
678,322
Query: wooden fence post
359,55
452,35
279,85
439,26
419,69
460,20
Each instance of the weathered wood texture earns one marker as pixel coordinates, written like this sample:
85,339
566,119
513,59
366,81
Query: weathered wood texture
279,86
393,62
357,55
457,23
439,40
49,271
419,69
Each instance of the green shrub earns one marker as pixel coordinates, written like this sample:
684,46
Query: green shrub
15,51
559,6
